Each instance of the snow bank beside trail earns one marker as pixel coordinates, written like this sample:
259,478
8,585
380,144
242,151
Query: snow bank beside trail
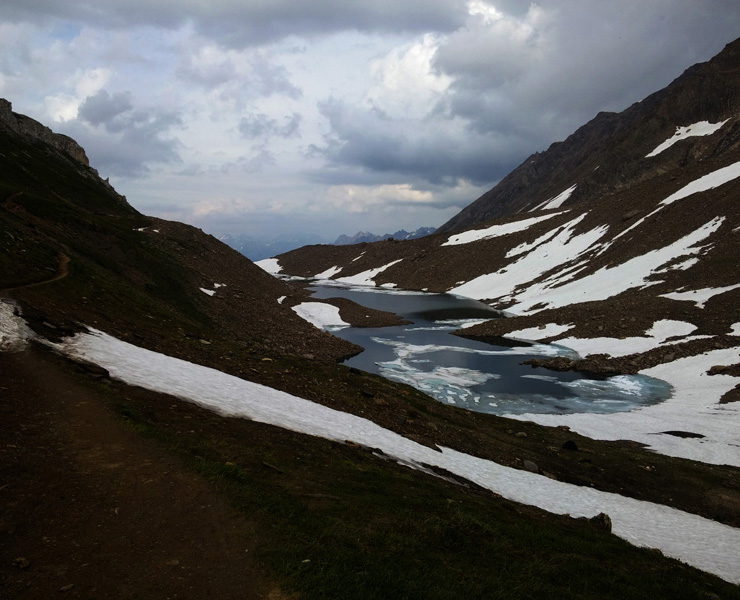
366,277
697,129
693,408
476,235
14,333
700,542
699,297
321,315
271,265
654,337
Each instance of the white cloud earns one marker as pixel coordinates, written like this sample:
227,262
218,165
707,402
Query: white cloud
405,84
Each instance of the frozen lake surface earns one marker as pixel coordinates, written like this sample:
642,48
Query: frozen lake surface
475,375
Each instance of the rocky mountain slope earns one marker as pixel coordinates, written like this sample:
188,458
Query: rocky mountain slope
608,155
57,213
91,467
633,220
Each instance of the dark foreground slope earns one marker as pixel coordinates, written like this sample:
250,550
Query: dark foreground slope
113,491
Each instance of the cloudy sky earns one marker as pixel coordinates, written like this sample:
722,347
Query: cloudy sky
333,116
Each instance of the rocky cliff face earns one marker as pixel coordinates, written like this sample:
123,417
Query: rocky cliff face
26,126
68,149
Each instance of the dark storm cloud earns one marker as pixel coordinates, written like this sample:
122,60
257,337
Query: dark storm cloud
236,23
123,140
553,68
525,77
431,151
104,109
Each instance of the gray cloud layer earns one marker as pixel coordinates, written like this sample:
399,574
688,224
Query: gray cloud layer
228,87
236,23
124,140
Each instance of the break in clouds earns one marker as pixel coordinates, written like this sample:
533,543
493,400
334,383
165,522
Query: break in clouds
395,113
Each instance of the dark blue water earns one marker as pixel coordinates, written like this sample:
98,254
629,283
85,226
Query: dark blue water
474,375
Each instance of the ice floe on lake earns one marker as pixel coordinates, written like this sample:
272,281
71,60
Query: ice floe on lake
693,407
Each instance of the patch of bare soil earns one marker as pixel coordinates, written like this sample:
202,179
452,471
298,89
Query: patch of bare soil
90,509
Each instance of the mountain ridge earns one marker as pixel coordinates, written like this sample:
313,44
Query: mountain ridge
365,236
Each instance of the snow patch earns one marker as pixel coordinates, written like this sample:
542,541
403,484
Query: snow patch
321,315
708,182
271,265
560,249
476,235
329,273
699,297
539,333
654,337
366,277
556,201
697,129
609,281
209,292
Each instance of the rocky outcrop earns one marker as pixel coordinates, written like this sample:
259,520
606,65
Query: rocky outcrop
28,127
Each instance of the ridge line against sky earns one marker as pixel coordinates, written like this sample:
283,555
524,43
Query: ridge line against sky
330,116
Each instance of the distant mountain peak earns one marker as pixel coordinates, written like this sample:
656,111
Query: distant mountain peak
364,236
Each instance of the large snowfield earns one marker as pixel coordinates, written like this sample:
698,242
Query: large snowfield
703,543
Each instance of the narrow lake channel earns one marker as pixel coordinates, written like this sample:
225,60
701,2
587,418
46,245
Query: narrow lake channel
475,375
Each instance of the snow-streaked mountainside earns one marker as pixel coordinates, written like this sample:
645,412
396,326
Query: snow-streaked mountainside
621,243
